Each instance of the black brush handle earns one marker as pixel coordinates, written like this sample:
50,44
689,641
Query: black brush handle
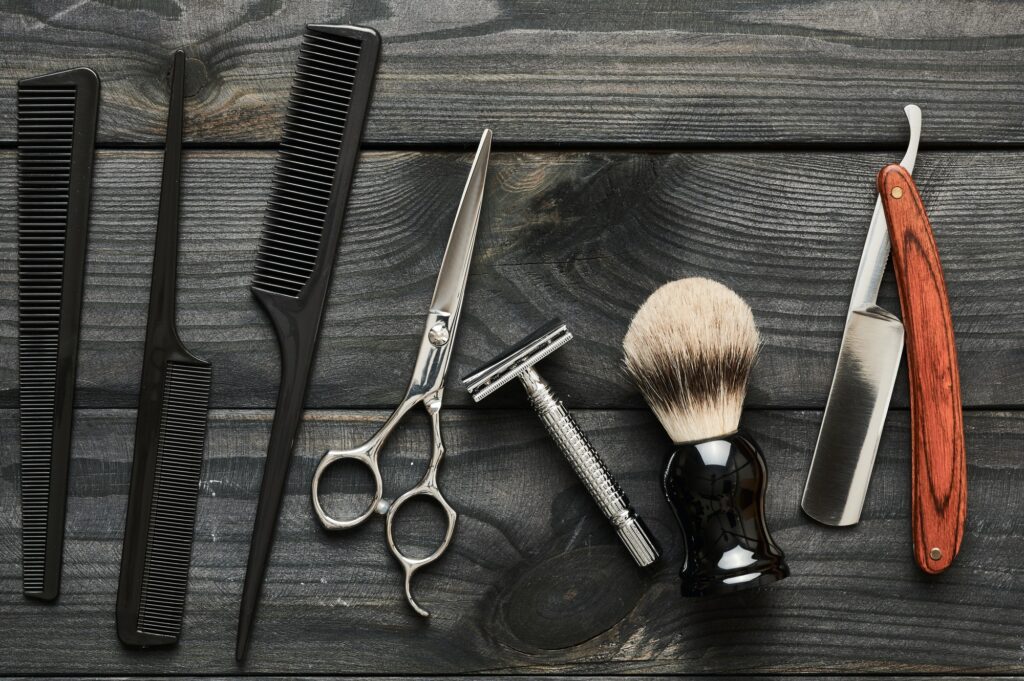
297,337
717,490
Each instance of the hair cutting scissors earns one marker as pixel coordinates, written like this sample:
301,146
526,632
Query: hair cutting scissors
426,386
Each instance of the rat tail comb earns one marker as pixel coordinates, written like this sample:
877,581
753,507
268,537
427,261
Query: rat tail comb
170,432
301,227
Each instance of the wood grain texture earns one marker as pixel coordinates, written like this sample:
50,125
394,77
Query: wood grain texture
514,677
661,71
536,580
938,460
581,236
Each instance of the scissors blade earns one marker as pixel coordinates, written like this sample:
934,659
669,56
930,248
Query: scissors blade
451,280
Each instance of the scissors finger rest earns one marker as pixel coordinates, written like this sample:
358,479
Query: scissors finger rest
427,488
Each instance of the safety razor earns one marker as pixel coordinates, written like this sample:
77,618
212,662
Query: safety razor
519,362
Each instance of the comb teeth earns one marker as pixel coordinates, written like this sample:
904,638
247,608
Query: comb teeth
172,514
50,229
45,132
318,111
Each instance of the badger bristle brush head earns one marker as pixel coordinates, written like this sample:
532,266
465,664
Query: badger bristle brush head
690,348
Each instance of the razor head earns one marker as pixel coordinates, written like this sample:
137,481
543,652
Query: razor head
513,363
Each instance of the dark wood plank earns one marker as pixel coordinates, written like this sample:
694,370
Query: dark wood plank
496,677
535,580
581,236
661,71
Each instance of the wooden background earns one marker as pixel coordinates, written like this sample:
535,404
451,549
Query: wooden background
635,143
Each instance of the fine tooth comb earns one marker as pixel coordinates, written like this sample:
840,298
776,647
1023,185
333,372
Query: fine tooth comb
170,431
313,173
56,139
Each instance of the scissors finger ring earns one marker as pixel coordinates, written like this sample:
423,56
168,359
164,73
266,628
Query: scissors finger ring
367,457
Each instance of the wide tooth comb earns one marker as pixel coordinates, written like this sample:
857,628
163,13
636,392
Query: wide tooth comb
56,140
315,163
169,433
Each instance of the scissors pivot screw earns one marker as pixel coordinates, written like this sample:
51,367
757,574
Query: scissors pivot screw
438,334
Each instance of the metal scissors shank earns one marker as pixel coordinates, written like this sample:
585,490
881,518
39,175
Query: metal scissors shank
426,387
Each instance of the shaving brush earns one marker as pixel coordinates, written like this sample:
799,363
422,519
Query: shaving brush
690,349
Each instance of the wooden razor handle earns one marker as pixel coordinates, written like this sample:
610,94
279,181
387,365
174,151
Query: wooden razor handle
938,462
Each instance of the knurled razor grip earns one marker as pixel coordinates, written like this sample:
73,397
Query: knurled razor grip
519,363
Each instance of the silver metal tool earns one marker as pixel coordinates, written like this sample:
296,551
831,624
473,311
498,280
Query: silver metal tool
426,386
519,363
869,359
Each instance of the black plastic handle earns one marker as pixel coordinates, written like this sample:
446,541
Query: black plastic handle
717,490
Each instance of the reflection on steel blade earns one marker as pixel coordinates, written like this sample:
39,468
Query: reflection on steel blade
854,416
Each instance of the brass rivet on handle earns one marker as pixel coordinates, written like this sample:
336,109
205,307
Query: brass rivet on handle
935,553
897,193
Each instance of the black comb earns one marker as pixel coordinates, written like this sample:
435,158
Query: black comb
170,431
56,140
323,124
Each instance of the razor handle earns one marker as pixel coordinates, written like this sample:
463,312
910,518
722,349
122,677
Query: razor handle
588,466
938,458
717,489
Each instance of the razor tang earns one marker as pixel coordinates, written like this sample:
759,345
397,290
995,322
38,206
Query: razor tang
869,359
876,246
